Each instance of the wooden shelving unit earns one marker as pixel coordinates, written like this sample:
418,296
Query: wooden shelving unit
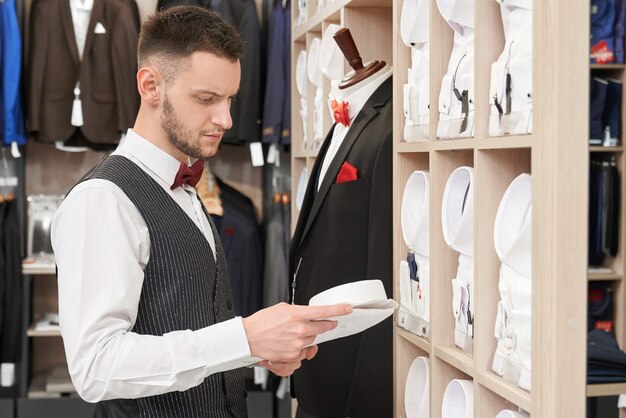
560,79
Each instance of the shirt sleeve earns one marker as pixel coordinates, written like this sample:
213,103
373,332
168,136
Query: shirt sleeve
101,246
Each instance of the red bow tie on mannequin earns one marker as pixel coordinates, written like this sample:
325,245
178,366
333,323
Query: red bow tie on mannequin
340,112
188,174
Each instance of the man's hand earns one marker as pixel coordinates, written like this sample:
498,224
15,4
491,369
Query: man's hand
284,369
281,332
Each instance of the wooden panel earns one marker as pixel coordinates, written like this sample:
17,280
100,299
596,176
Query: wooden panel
559,213
47,353
370,29
488,404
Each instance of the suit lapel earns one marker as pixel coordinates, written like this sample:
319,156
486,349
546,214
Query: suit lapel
379,98
362,120
96,14
68,29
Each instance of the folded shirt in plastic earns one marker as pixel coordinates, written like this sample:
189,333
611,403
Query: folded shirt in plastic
370,303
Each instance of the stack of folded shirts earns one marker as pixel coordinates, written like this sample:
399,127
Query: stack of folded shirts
606,363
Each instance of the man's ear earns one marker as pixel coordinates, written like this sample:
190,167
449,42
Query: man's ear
149,84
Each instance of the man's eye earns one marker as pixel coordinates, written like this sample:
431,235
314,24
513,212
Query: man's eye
205,100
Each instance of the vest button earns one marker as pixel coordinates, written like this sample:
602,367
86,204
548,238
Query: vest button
229,305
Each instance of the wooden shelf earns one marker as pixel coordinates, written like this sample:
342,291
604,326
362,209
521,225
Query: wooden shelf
509,141
456,358
32,332
596,277
309,153
314,23
600,148
409,147
607,67
417,341
505,389
606,389
331,12
455,144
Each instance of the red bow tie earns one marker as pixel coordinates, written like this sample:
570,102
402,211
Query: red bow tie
188,174
340,112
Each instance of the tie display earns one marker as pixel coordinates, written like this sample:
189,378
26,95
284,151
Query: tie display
512,241
340,112
188,174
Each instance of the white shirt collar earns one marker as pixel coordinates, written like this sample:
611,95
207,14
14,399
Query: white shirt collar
155,159
84,5
357,98
458,13
414,22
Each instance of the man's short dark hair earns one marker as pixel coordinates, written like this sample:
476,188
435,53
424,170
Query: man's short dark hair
178,32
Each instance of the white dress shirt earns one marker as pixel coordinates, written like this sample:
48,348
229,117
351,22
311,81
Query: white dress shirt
453,122
81,15
102,247
356,96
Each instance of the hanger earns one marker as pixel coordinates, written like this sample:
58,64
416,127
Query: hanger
344,39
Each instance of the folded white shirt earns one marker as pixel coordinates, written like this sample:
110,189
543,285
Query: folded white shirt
370,307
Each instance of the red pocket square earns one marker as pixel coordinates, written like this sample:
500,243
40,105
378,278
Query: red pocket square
348,172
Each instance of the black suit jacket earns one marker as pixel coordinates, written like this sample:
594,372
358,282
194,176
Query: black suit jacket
344,235
107,72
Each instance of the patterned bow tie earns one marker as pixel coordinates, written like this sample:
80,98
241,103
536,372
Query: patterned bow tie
340,112
188,174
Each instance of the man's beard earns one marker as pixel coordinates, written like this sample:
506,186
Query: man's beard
177,133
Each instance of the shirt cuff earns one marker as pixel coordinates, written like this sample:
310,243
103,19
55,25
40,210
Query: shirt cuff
225,346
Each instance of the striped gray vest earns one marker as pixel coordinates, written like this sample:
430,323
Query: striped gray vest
183,289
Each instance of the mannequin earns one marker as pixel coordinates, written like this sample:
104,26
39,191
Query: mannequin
349,196
458,400
512,239
414,31
458,231
456,97
510,92
414,216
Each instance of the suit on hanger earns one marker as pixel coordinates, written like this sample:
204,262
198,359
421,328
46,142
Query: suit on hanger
246,111
106,72
344,235
241,240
